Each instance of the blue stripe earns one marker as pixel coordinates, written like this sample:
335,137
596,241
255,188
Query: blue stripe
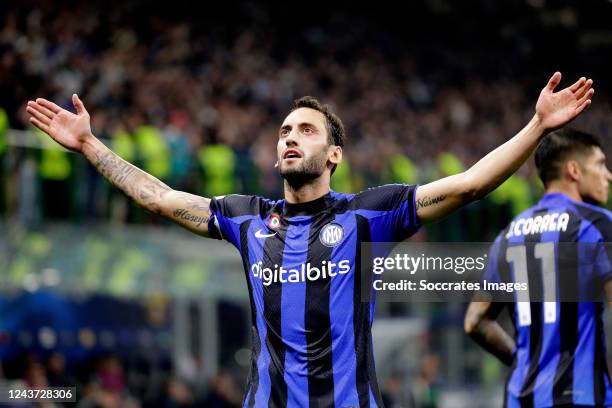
341,311
512,401
262,394
246,399
372,399
292,317
230,227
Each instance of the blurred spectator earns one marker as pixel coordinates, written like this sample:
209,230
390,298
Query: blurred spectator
223,393
56,369
426,386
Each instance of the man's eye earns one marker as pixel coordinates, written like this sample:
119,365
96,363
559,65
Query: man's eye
307,130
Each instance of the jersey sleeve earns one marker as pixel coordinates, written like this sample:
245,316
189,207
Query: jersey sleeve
390,210
229,212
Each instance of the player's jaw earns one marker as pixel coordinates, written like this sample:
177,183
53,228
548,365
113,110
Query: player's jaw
298,168
595,180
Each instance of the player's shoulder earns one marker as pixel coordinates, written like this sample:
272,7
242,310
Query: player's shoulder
236,205
596,217
383,198
593,213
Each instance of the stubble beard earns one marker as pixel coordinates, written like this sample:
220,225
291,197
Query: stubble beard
307,170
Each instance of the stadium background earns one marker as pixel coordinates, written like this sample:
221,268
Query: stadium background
138,313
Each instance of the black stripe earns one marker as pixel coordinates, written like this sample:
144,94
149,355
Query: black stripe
366,372
317,321
600,369
235,205
534,278
599,219
253,378
512,368
563,385
273,259
383,198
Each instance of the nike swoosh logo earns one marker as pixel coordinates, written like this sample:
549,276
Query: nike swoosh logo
259,234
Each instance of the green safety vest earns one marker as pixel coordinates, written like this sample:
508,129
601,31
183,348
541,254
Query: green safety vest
449,164
4,125
54,160
218,163
341,179
403,170
123,144
516,191
153,150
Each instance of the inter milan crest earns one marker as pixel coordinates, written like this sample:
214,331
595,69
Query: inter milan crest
331,235
275,221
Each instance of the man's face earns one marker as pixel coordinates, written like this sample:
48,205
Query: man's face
594,181
302,149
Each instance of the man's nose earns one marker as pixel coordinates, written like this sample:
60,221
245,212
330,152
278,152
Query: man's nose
291,139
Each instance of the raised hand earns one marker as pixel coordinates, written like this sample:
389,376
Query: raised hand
555,109
66,128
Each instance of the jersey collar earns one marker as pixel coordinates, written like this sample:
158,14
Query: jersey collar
309,207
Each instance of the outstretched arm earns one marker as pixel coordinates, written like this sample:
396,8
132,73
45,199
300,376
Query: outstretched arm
74,132
553,110
481,326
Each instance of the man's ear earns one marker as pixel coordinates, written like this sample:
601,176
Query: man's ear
336,155
572,169
276,164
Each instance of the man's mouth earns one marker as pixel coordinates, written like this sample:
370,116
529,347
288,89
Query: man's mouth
291,154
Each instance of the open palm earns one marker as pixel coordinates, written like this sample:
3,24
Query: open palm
555,109
68,129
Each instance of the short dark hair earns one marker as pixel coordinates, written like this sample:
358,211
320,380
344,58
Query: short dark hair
559,146
335,129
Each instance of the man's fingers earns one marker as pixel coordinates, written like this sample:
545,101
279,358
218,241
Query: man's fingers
583,106
49,105
587,96
78,104
41,109
553,81
39,125
38,115
577,84
583,90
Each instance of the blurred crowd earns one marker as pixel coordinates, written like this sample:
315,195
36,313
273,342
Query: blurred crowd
107,381
197,99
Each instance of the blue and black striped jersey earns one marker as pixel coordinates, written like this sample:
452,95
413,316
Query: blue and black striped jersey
560,349
311,334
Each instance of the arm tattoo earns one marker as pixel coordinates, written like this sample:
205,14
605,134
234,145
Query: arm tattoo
197,203
184,214
145,189
428,201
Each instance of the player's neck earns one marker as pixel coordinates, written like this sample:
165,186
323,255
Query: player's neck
307,192
563,188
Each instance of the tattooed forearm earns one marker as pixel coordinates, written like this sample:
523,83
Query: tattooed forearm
184,214
196,203
188,210
145,189
428,201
